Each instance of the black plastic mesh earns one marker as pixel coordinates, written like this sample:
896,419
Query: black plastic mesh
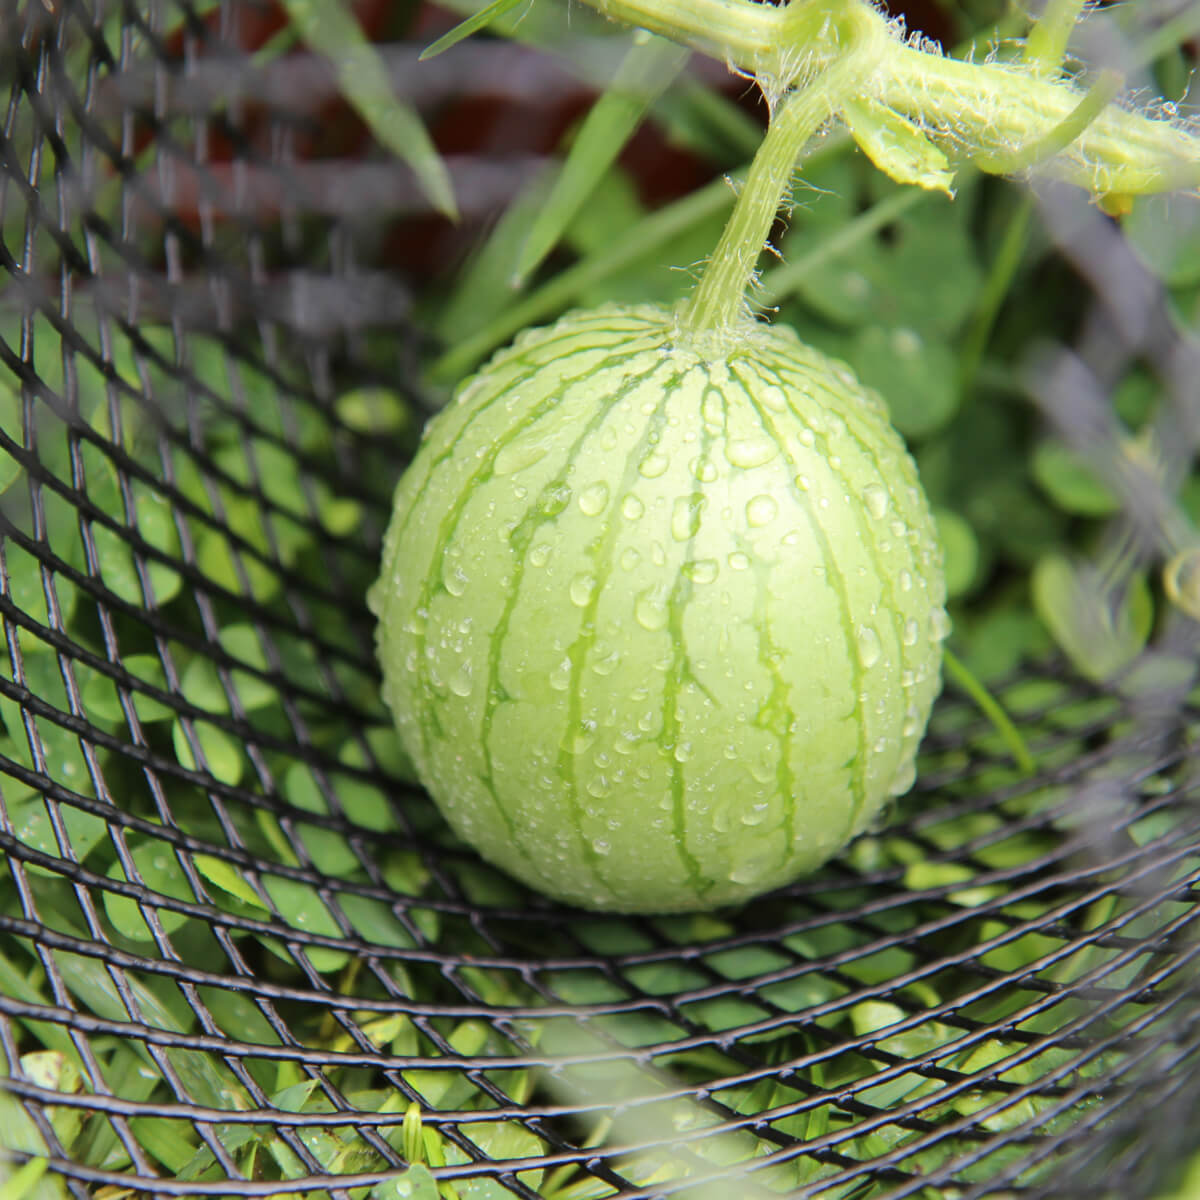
236,946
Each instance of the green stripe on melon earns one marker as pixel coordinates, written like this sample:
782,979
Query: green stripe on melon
660,625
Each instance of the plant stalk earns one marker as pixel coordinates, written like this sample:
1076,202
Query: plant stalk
990,113
719,300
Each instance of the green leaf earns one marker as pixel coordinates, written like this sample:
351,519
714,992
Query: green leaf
302,908
907,262
1181,581
961,550
915,374
373,411
222,756
1070,483
897,146
1165,234
330,28
243,643
160,871
102,703
228,878
23,1183
205,1082
1099,630
463,30
10,424
646,72
416,1183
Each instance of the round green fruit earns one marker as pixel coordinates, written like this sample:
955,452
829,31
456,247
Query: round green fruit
660,614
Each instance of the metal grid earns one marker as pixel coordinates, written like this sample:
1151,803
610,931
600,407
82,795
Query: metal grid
236,945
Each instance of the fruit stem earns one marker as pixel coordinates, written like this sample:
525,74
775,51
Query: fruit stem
719,300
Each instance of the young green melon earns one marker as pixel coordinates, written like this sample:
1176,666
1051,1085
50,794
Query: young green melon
660,619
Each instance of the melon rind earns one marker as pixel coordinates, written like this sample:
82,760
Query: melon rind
660,622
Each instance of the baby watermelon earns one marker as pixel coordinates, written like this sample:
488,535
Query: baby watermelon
661,613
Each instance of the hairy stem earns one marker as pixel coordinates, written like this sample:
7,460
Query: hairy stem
989,113
719,299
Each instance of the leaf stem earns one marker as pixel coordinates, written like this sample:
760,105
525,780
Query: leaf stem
957,670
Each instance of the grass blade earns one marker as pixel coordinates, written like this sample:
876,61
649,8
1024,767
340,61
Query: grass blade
463,30
957,670
646,72
330,29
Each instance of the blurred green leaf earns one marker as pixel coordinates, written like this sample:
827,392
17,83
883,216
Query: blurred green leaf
647,71
961,550
1165,233
416,1183
1069,482
915,375
1099,630
10,425
906,262
330,28
222,756
481,20
160,872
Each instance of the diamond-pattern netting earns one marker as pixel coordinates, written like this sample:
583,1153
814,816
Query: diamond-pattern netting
239,952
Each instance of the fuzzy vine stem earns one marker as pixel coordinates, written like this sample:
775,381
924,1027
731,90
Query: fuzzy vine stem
988,113
718,301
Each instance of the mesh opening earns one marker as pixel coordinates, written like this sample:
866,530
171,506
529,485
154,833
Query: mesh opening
238,945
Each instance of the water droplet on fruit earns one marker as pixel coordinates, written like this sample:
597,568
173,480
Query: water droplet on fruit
539,556
703,570
803,482
876,500
555,499
516,456
606,659
685,516
912,721
738,561
905,580
601,846
703,470
869,647
632,508
756,814
630,558
460,681
939,625
683,751
581,589
455,581
650,611
654,465
760,511
807,437
750,452
911,633
753,867
774,398
593,499
904,778
560,677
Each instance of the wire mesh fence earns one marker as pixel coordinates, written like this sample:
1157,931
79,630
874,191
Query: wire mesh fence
240,954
